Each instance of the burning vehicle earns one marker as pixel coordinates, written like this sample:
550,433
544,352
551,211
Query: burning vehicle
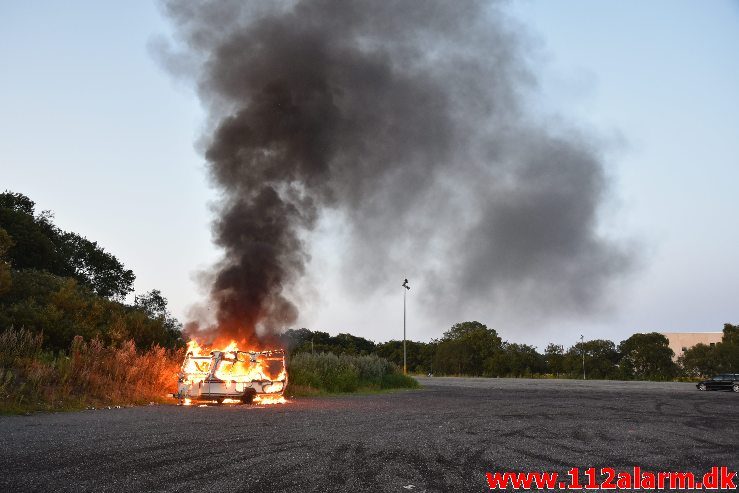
230,376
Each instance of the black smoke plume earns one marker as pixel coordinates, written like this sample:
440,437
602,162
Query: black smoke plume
408,119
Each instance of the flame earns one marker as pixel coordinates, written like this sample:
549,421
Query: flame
193,347
270,399
265,399
237,366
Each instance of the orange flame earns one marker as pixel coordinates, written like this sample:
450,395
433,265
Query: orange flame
237,366
270,399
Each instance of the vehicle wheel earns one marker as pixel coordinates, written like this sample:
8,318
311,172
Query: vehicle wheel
248,398
219,401
735,387
702,386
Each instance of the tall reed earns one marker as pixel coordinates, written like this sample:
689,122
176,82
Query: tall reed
90,373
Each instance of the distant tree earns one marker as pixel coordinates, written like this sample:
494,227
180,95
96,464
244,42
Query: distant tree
154,305
699,361
727,355
393,351
426,356
295,338
465,347
703,360
419,355
32,248
38,244
554,357
17,202
64,285
6,243
350,344
62,308
321,338
95,267
515,360
601,358
731,334
647,357
304,340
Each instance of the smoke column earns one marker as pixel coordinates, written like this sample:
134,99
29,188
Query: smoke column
408,120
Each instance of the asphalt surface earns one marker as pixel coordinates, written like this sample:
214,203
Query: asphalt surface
443,437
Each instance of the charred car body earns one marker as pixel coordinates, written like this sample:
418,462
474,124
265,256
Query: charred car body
232,375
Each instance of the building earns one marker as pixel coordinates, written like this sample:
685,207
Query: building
680,341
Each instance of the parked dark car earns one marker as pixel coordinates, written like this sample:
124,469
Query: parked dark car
724,381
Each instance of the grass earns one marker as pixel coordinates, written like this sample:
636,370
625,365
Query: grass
89,374
326,373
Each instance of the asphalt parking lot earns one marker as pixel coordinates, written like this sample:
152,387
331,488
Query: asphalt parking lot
443,437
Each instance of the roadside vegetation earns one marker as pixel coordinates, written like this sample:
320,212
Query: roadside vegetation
473,349
89,374
63,285
73,334
328,373
68,337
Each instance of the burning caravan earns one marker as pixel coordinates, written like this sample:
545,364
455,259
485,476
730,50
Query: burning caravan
231,376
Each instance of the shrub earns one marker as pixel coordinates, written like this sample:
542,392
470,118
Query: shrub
90,373
18,347
330,373
398,381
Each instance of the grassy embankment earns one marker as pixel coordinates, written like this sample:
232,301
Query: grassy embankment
90,374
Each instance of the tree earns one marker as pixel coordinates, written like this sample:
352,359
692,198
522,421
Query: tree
32,248
554,357
62,308
464,348
426,356
731,334
304,340
155,306
65,285
419,355
17,202
39,244
515,360
295,338
702,360
601,359
699,361
349,344
727,356
647,357
95,267
6,243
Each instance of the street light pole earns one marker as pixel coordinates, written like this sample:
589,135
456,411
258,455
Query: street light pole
405,291
582,348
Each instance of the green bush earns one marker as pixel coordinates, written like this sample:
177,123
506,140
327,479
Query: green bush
330,373
398,381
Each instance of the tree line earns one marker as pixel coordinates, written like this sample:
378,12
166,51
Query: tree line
473,349
63,285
